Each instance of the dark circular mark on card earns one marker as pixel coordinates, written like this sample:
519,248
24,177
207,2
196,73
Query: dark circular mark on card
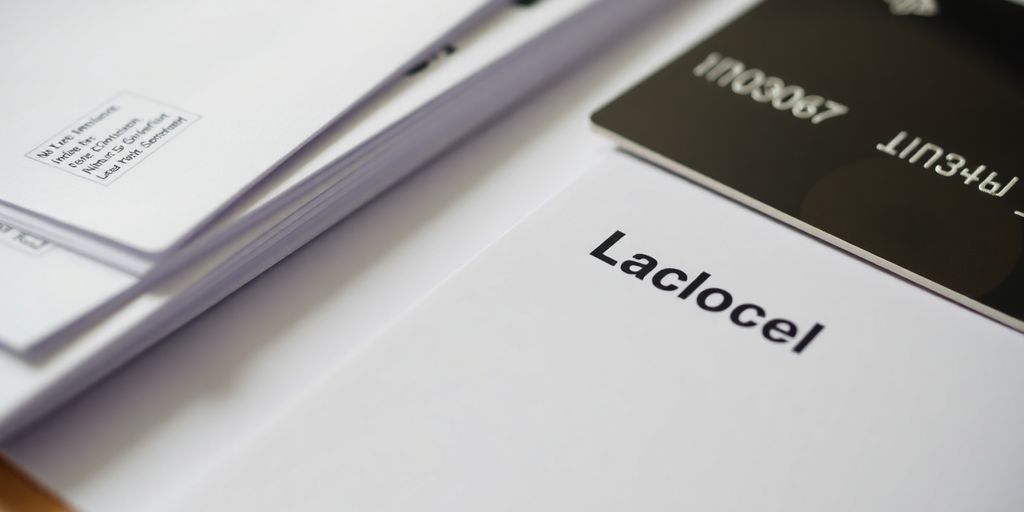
932,225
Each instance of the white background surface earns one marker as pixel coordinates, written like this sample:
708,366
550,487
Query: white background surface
143,433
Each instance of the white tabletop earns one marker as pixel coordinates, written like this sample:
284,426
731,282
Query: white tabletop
149,428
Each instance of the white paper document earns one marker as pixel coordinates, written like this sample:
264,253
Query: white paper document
644,344
132,124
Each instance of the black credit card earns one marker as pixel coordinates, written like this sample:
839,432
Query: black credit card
892,129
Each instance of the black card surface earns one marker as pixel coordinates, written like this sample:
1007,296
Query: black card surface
892,129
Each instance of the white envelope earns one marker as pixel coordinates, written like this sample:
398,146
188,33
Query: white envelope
48,295
132,123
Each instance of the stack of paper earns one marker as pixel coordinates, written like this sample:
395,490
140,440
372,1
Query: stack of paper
158,156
